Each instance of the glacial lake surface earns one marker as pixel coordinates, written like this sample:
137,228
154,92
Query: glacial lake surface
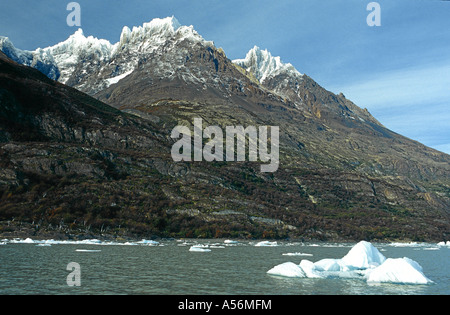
215,267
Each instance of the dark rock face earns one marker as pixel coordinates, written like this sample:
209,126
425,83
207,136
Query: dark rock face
76,165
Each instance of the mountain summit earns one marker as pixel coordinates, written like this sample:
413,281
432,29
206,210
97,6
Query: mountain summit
263,65
74,60
103,137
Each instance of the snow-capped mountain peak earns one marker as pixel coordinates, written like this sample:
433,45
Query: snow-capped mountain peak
153,34
79,55
162,26
263,65
68,53
7,47
155,31
77,44
38,59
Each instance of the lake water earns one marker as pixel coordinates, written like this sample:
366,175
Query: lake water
170,268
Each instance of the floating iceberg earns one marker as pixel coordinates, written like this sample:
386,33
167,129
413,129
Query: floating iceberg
266,243
362,256
411,244
363,261
230,242
199,248
80,242
148,242
431,248
288,269
400,270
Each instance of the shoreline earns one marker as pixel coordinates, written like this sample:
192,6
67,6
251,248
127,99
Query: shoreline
24,230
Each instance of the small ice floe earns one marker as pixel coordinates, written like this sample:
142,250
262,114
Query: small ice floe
44,245
334,245
216,246
148,243
88,250
82,242
297,254
410,244
266,244
293,244
185,243
231,242
22,241
199,248
363,261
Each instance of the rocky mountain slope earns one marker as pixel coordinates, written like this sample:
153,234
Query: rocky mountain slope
342,174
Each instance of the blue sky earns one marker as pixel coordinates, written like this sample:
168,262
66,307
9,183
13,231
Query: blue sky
399,71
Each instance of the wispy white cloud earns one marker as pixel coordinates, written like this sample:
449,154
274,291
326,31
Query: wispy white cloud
414,102
402,88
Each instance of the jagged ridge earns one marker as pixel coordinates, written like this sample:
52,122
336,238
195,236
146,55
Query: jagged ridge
263,65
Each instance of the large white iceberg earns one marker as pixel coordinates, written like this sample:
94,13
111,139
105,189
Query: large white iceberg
362,256
400,270
363,261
